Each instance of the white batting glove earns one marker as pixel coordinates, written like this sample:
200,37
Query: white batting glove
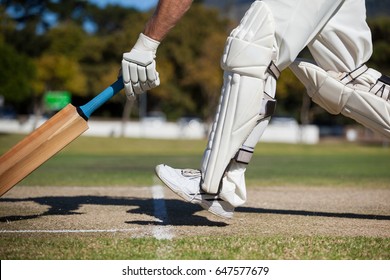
139,67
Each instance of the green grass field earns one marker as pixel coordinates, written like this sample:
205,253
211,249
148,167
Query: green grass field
198,248
130,162
122,162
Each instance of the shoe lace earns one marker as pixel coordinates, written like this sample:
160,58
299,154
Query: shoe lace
194,173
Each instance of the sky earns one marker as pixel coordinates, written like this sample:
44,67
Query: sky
138,4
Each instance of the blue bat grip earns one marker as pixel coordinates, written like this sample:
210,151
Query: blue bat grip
99,100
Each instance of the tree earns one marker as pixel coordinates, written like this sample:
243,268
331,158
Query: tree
206,75
17,72
58,67
58,72
189,64
114,18
380,29
66,39
52,33
43,14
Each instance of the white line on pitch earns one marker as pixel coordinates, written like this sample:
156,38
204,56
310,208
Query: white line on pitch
68,231
162,231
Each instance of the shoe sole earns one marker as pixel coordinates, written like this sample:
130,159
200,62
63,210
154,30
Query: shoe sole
189,199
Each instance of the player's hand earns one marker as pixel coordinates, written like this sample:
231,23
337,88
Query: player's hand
139,67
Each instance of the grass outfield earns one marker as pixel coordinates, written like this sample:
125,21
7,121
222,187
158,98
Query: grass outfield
92,162
198,248
122,162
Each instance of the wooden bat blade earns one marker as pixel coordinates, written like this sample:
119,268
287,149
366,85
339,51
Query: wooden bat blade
39,146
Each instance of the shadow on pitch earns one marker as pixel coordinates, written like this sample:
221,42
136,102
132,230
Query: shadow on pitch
177,212
313,213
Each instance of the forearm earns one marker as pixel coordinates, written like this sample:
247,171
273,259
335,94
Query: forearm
167,14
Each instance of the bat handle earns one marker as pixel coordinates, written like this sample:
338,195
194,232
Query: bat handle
86,110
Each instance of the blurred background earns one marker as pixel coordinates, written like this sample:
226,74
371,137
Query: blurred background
53,52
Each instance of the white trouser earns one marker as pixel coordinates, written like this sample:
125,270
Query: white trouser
338,37
341,83
345,42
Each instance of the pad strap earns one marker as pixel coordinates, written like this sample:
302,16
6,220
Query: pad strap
351,76
273,70
382,88
245,153
269,104
268,107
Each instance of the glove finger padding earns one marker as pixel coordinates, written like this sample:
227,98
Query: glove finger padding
142,77
151,72
133,73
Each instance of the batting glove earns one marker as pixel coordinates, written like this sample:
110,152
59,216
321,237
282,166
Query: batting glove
139,67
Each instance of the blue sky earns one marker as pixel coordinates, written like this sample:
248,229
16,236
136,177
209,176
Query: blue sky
138,4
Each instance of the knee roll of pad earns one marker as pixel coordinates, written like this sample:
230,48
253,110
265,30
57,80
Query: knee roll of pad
249,47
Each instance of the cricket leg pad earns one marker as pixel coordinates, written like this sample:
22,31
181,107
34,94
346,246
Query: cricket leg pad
233,188
248,62
237,115
363,94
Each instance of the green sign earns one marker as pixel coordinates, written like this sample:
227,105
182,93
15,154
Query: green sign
56,100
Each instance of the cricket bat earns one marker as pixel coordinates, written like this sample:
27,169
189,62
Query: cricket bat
49,139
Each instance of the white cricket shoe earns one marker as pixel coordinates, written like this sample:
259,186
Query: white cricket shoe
186,184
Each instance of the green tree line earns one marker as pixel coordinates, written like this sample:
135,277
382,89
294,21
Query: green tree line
77,46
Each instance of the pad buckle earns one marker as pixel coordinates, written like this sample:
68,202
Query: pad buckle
244,155
268,107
